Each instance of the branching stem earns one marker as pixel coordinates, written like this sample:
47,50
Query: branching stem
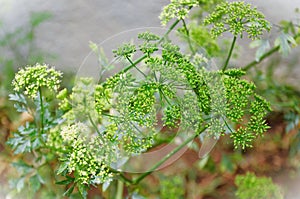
163,160
264,56
133,64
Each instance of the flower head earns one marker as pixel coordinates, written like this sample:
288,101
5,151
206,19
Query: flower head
237,18
31,78
71,132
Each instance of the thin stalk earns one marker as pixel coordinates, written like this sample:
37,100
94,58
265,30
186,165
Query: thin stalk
127,68
91,119
94,125
168,31
164,96
42,110
264,56
229,54
120,188
154,74
163,160
108,115
130,61
188,36
125,178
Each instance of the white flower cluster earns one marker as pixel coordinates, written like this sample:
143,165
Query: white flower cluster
33,78
85,156
70,133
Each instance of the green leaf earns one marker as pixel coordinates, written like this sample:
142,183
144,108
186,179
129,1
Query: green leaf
36,143
35,183
20,108
17,97
14,142
288,26
69,191
65,182
262,46
82,190
62,168
283,41
23,147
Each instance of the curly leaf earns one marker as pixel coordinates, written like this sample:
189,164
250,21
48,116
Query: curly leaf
17,97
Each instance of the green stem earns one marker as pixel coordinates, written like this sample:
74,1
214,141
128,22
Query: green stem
91,119
165,158
94,125
108,115
122,176
188,36
229,54
133,64
127,68
125,178
42,110
164,96
120,187
169,30
265,55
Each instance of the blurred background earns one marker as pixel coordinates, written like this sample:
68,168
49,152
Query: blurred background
74,23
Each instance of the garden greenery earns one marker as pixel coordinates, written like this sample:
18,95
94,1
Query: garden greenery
251,186
94,125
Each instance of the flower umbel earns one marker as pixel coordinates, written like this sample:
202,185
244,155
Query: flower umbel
32,78
178,9
237,17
